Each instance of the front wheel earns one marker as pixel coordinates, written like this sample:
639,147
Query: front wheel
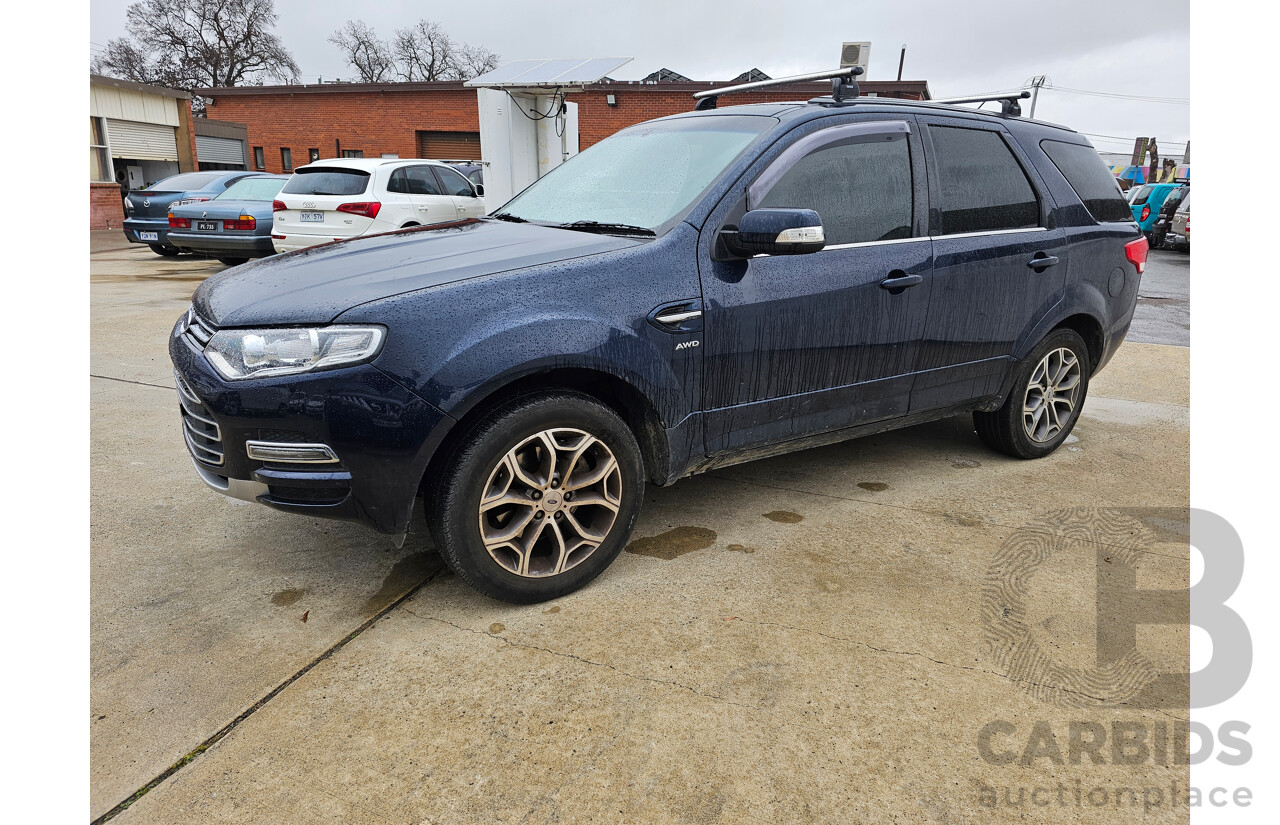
1045,402
540,497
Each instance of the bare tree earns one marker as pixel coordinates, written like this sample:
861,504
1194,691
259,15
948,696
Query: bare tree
473,61
190,44
364,51
424,51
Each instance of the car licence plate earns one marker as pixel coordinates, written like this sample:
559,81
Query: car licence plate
148,236
207,226
312,217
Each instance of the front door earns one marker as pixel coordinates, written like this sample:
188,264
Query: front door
466,203
998,267
429,200
801,344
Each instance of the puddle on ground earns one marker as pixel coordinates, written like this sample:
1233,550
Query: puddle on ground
287,597
675,542
555,609
409,571
176,277
965,521
965,463
784,517
873,486
496,628
740,548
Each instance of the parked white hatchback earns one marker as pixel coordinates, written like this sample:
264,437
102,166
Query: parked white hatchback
332,200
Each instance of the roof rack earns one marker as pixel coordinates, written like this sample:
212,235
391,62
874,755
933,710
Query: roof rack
842,85
1008,103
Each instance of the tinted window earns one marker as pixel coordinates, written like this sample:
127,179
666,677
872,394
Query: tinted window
252,189
453,183
186,183
398,182
862,191
1140,197
983,187
1090,178
421,181
326,180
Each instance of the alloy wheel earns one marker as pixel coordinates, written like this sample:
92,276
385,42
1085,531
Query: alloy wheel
550,502
1051,396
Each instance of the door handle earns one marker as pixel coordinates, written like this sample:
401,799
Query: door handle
897,284
1040,262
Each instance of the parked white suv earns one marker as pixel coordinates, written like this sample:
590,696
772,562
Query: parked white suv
332,200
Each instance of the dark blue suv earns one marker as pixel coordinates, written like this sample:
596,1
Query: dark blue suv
695,291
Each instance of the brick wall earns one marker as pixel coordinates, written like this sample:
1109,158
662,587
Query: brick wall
382,118
106,211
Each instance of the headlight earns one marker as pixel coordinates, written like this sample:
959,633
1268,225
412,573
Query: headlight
257,353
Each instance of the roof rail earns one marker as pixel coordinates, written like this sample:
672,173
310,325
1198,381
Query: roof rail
1008,103
843,85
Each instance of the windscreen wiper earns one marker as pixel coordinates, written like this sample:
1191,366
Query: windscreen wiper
608,228
507,216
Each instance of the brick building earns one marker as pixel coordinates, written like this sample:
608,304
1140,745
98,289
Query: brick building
289,126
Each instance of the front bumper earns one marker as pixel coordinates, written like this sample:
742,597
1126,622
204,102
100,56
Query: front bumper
133,227
238,246
383,436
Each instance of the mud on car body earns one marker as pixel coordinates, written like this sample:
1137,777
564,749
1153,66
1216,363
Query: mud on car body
692,292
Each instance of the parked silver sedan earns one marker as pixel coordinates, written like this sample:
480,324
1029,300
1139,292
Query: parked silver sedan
233,227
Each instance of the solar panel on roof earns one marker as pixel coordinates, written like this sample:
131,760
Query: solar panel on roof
562,71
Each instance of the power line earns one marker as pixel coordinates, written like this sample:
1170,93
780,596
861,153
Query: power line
1129,140
1180,101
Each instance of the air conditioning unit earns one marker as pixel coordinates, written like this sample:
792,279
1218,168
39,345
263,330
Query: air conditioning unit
856,54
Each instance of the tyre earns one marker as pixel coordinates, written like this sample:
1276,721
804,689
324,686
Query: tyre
538,498
164,250
1048,393
232,261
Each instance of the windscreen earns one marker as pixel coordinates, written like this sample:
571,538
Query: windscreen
327,180
642,176
186,182
252,189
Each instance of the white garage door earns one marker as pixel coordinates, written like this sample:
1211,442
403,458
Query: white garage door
219,150
142,141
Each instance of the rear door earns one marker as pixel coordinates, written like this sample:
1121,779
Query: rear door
998,266
800,344
465,202
429,198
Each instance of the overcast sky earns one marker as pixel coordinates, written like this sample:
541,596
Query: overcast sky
960,48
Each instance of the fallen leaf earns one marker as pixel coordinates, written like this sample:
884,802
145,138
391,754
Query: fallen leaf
305,615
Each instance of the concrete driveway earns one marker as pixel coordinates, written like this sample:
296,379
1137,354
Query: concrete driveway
830,636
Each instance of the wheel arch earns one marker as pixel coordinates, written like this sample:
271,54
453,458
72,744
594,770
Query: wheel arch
1090,329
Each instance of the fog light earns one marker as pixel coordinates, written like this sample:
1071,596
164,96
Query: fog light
283,452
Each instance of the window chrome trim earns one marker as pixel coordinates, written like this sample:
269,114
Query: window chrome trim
857,244
860,244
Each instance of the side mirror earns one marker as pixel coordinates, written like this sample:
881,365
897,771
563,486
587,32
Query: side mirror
776,232
479,187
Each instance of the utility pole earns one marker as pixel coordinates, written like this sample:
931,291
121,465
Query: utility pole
901,59
1036,83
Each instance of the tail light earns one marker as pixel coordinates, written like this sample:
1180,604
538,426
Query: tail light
278,206
1186,227
242,222
1146,213
1136,252
179,223
368,210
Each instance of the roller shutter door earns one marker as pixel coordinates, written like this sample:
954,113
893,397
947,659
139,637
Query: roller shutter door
449,145
142,141
219,150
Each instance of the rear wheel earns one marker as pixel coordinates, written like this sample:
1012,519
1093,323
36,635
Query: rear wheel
232,261
164,250
1048,393
539,498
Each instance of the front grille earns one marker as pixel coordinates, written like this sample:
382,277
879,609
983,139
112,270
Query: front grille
203,435
198,331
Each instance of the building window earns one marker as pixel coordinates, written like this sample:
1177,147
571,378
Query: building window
259,158
286,159
99,158
313,155
353,153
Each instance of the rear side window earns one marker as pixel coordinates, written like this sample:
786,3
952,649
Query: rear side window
862,191
1093,182
326,180
1140,197
982,184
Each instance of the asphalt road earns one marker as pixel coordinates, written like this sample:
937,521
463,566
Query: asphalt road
1163,315
803,638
